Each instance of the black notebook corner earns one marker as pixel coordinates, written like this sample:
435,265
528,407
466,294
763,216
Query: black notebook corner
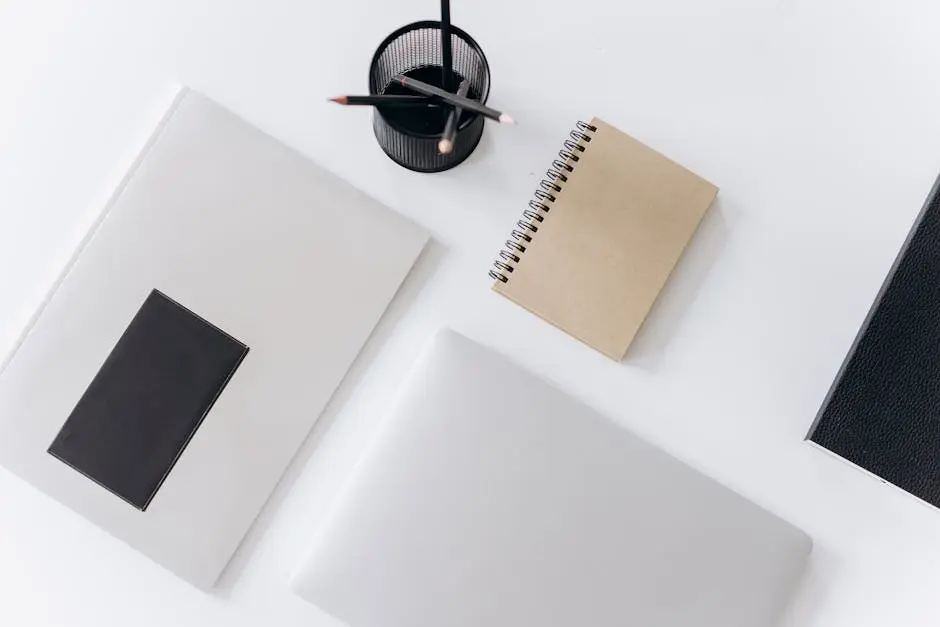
882,413
148,399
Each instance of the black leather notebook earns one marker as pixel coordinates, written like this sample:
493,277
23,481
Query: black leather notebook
883,411
147,401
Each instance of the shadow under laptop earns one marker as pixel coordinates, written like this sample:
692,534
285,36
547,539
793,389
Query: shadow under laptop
805,607
680,291
421,273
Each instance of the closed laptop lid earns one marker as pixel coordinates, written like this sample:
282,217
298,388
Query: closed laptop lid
489,497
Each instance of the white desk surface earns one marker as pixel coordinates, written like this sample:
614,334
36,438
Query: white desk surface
818,120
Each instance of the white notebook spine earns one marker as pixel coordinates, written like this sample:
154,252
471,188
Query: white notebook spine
540,205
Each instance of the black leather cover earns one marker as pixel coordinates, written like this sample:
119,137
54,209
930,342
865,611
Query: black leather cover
147,401
883,411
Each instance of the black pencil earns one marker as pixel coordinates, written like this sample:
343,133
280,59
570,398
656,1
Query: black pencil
446,145
447,61
393,100
458,101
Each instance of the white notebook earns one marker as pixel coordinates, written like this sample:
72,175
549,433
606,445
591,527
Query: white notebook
488,497
192,343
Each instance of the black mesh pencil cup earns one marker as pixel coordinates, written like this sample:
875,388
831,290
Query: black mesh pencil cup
410,135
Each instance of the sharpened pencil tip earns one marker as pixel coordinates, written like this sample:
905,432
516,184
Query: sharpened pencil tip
445,146
505,119
339,99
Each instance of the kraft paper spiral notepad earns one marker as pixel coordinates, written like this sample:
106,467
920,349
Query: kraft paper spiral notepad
601,236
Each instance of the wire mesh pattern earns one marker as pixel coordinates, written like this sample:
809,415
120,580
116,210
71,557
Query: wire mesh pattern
413,49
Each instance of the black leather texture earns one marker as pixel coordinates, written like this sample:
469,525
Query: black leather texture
148,399
883,411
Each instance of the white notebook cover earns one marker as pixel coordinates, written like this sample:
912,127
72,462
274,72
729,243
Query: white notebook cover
252,236
489,497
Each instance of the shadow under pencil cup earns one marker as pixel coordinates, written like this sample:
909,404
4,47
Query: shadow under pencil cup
410,135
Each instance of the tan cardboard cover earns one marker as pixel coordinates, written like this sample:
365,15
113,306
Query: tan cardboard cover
609,241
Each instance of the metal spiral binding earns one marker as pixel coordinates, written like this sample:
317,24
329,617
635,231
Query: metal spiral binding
545,195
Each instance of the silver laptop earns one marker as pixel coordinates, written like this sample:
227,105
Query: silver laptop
490,498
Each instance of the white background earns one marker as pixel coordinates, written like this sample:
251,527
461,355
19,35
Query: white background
818,121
